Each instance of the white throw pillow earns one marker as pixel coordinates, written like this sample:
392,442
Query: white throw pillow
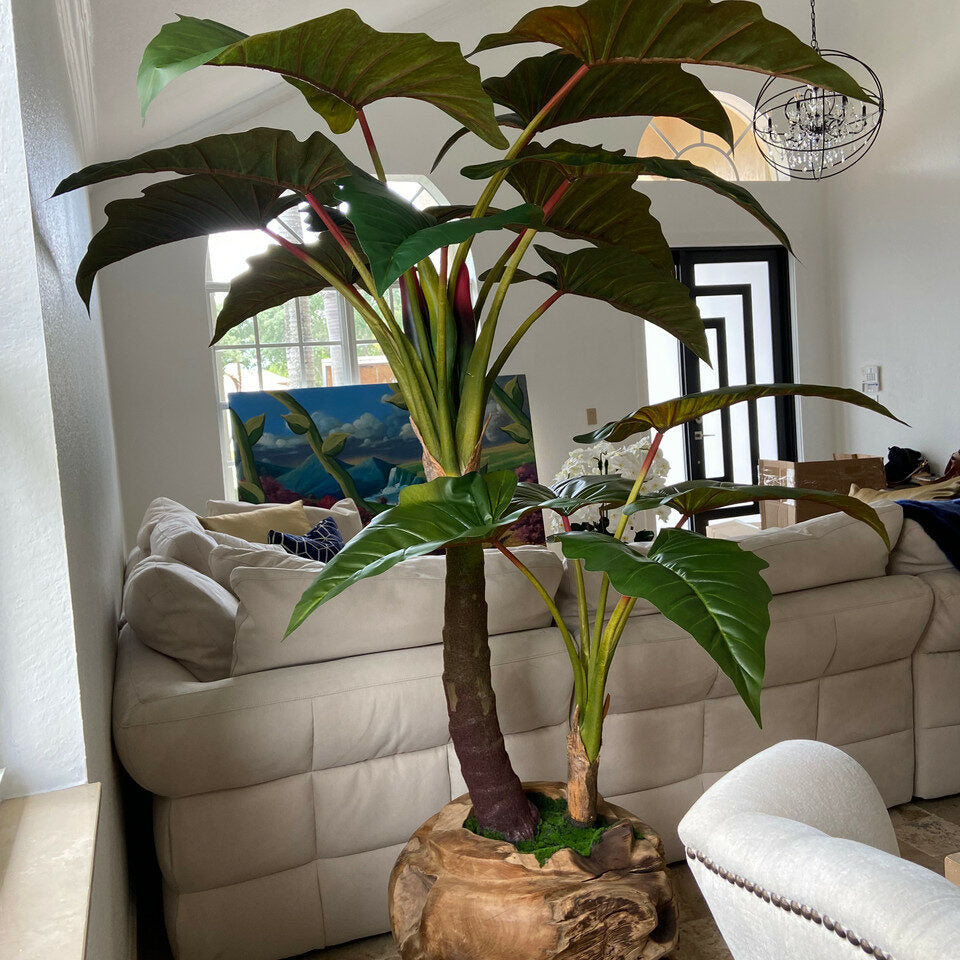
343,511
224,559
182,614
398,609
177,535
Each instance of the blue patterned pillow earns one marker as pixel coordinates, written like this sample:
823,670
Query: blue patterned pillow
322,543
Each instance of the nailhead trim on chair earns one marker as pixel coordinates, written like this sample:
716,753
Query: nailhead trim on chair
807,913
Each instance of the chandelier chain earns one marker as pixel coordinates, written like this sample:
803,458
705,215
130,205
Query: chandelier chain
813,26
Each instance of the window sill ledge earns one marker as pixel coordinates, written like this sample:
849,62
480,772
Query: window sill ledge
46,869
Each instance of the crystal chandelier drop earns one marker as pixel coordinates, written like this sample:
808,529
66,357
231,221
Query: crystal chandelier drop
809,133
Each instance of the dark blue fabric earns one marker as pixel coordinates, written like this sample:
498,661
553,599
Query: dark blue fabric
322,543
940,520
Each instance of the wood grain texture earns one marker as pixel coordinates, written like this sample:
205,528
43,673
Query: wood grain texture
457,896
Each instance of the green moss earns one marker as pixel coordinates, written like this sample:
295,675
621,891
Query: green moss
554,832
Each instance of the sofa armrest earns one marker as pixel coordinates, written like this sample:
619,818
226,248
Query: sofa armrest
802,780
778,888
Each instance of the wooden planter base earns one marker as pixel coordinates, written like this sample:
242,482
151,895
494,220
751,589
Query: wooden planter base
458,896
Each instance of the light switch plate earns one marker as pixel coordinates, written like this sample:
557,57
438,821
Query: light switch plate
591,416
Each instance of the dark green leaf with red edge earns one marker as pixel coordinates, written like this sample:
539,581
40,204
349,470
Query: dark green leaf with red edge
671,413
177,210
608,90
338,63
604,210
732,33
395,236
261,155
276,276
574,162
569,496
630,283
709,587
699,496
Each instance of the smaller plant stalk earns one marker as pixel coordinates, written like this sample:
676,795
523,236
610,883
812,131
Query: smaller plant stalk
371,146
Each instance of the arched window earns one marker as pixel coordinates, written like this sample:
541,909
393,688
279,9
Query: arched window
316,341
671,138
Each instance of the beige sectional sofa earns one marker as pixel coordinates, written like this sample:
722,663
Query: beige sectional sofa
284,791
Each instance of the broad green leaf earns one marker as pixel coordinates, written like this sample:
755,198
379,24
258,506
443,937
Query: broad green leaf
254,427
430,516
341,65
573,161
275,158
732,33
630,283
710,588
603,210
671,413
608,90
395,236
176,210
178,47
276,276
569,496
698,496
334,443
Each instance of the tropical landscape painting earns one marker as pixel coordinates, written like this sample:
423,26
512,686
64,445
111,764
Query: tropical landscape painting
324,444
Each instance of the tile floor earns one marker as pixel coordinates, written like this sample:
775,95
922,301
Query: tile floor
927,830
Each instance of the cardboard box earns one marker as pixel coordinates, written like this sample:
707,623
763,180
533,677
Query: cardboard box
835,475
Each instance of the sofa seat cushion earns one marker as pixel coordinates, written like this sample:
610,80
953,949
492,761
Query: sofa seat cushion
182,614
255,525
178,737
400,608
942,634
343,511
916,553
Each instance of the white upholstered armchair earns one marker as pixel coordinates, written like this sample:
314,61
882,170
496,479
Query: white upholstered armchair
797,858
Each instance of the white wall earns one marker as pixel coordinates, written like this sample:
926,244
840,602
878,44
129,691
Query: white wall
86,503
895,233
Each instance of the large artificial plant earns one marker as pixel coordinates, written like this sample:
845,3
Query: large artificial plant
610,58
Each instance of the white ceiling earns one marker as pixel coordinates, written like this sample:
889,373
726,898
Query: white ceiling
121,28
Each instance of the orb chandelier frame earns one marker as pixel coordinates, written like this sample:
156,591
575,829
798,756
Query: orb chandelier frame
809,133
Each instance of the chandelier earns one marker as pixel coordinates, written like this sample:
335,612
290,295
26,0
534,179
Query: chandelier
809,133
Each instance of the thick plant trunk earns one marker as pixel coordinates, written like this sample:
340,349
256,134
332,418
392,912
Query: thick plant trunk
581,781
497,794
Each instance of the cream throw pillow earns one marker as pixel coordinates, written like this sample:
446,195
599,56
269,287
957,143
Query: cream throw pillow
255,525
945,490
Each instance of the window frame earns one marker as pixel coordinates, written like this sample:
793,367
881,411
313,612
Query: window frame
348,343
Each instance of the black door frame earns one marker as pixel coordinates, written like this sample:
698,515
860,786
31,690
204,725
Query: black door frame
778,270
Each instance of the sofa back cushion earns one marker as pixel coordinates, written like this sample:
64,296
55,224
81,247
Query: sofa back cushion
343,511
917,553
835,548
182,614
815,553
225,558
401,608
255,525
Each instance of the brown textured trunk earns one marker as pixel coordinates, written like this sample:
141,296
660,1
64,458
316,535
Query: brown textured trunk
497,794
581,781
